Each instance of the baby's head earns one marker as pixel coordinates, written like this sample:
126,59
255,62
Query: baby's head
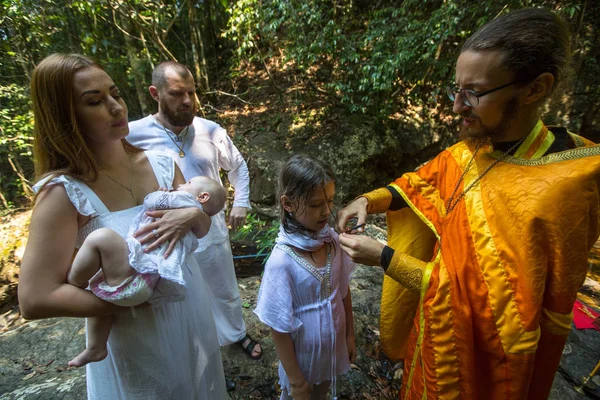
211,194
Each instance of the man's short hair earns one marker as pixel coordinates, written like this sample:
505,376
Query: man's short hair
534,41
158,74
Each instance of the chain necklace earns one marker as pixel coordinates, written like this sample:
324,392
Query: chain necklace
178,138
130,188
451,203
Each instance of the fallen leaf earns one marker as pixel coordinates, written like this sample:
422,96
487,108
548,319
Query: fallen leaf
29,376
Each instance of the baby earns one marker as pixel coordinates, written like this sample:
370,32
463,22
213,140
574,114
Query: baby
118,270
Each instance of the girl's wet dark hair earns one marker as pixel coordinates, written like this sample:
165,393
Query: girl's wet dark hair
299,177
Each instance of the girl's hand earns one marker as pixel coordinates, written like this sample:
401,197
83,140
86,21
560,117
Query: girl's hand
351,344
362,249
358,209
170,226
301,392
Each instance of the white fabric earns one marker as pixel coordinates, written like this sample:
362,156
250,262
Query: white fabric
216,264
169,351
297,298
304,242
171,287
208,148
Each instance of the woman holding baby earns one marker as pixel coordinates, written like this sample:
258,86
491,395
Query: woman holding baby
91,178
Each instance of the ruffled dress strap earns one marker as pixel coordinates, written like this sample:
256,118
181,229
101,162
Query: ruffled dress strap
85,201
163,166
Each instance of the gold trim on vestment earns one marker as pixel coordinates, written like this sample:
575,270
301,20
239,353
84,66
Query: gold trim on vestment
567,155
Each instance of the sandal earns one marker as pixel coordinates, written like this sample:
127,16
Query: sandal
249,348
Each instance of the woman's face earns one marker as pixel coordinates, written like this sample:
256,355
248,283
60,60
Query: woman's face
101,112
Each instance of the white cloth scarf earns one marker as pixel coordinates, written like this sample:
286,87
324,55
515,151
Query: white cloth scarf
300,241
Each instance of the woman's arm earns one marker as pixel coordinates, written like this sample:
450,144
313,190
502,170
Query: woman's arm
43,291
172,225
287,355
350,326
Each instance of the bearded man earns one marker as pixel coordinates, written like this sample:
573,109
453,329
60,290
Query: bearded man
201,148
488,242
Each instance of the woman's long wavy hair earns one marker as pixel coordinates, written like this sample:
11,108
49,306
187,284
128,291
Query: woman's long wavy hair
59,146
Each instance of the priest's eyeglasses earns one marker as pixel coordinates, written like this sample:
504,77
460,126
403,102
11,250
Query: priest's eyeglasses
469,97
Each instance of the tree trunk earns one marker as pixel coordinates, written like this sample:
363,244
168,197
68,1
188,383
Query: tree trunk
200,66
137,69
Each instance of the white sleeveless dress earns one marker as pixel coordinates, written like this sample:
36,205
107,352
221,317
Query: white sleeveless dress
168,351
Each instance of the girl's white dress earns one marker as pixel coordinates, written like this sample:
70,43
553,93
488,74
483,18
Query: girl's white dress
297,298
168,351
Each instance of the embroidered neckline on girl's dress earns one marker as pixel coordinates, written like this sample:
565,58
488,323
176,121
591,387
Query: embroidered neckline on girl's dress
323,278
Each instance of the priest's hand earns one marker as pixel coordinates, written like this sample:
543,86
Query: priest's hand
362,249
356,209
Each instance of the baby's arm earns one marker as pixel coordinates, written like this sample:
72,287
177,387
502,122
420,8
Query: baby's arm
284,346
350,326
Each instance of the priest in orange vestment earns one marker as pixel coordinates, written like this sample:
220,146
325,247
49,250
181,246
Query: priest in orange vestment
488,242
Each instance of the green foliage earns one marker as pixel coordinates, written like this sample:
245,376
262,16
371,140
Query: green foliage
16,127
261,232
375,58
384,61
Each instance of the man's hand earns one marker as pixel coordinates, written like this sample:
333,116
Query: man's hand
237,217
358,209
362,249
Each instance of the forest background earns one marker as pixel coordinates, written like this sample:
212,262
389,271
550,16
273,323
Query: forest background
358,83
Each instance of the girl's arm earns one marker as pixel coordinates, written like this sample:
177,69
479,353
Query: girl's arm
350,326
43,291
172,225
286,353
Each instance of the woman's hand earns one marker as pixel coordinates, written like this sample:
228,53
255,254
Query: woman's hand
356,209
170,226
362,249
301,391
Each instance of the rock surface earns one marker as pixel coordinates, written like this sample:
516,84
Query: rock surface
33,355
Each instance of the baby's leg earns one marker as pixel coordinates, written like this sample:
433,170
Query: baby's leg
98,329
105,249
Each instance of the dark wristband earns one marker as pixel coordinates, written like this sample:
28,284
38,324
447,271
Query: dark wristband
386,257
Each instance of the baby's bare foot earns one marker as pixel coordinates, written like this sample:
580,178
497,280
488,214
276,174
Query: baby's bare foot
88,356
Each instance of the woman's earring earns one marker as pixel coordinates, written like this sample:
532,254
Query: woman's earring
290,214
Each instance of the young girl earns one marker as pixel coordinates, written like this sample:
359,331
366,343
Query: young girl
304,296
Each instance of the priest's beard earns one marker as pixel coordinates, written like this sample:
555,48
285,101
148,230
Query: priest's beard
482,134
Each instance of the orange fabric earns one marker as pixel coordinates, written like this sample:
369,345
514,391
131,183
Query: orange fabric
496,308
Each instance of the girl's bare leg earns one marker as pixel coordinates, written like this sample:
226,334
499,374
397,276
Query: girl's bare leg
320,391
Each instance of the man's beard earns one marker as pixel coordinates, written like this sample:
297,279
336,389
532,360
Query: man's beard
484,134
178,118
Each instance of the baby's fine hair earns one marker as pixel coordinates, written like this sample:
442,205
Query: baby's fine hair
299,177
